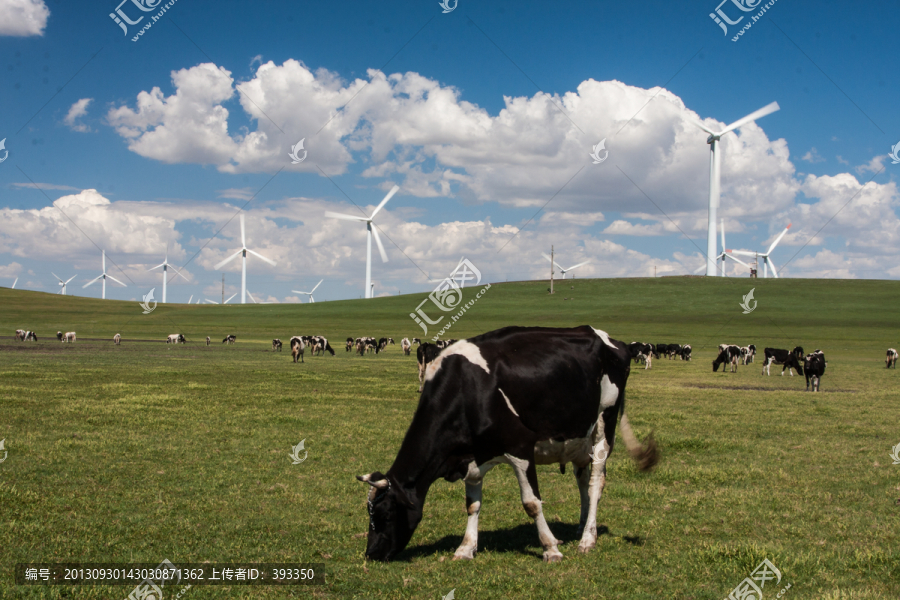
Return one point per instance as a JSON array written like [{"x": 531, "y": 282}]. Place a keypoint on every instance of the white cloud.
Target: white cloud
[
  {"x": 12, "y": 270},
  {"x": 76, "y": 111},
  {"x": 873, "y": 166},
  {"x": 22, "y": 18},
  {"x": 813, "y": 156}
]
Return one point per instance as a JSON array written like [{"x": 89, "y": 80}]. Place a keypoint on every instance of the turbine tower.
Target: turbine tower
[
  {"x": 165, "y": 267},
  {"x": 715, "y": 163},
  {"x": 564, "y": 271},
  {"x": 310, "y": 294},
  {"x": 62, "y": 284},
  {"x": 243, "y": 254},
  {"x": 767, "y": 262},
  {"x": 370, "y": 232},
  {"x": 103, "y": 276}
]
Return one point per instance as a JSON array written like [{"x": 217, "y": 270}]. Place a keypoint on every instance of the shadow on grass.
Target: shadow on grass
[{"x": 521, "y": 539}]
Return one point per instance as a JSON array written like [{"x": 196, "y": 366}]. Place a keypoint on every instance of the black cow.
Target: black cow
[
  {"x": 425, "y": 354},
  {"x": 641, "y": 353},
  {"x": 230, "y": 339},
  {"x": 686, "y": 352},
  {"x": 521, "y": 396},
  {"x": 276, "y": 345},
  {"x": 727, "y": 355},
  {"x": 814, "y": 365},
  {"x": 674, "y": 350},
  {"x": 790, "y": 360},
  {"x": 891, "y": 360}
]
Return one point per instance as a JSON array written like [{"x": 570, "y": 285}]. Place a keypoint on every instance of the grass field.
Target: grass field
[{"x": 146, "y": 451}]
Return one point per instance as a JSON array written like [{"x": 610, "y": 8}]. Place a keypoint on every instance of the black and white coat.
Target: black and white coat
[
  {"x": 555, "y": 399},
  {"x": 814, "y": 366},
  {"x": 790, "y": 360},
  {"x": 727, "y": 355},
  {"x": 405, "y": 346},
  {"x": 891, "y": 359},
  {"x": 297, "y": 348}
]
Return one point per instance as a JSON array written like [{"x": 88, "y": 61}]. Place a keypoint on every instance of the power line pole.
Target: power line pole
[
  {"x": 551, "y": 269},
  {"x": 223, "y": 288}
]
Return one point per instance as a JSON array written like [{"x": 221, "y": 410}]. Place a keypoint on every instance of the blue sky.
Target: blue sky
[{"x": 483, "y": 116}]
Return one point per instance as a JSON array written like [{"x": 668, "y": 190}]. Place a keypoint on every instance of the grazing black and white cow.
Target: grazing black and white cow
[
  {"x": 176, "y": 338},
  {"x": 416, "y": 341},
  {"x": 276, "y": 345},
  {"x": 425, "y": 354},
  {"x": 405, "y": 346},
  {"x": 365, "y": 344},
  {"x": 208, "y": 341},
  {"x": 686, "y": 352},
  {"x": 752, "y": 350},
  {"x": 641, "y": 353},
  {"x": 68, "y": 336},
  {"x": 728, "y": 355},
  {"x": 297, "y": 347},
  {"x": 230, "y": 339},
  {"x": 522, "y": 396},
  {"x": 891, "y": 360},
  {"x": 660, "y": 350},
  {"x": 59, "y": 335},
  {"x": 349, "y": 344},
  {"x": 781, "y": 357},
  {"x": 814, "y": 365},
  {"x": 322, "y": 345},
  {"x": 674, "y": 350},
  {"x": 745, "y": 355},
  {"x": 117, "y": 339},
  {"x": 20, "y": 335},
  {"x": 30, "y": 336}
]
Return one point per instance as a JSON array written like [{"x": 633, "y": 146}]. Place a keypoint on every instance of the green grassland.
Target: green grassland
[{"x": 146, "y": 451}]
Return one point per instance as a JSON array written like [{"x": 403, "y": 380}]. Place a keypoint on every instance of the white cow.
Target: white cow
[
  {"x": 117, "y": 339},
  {"x": 297, "y": 347},
  {"x": 175, "y": 338},
  {"x": 20, "y": 335},
  {"x": 405, "y": 346},
  {"x": 68, "y": 336},
  {"x": 891, "y": 360}
]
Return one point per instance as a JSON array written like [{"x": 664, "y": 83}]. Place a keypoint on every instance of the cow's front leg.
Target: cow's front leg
[
  {"x": 526, "y": 473},
  {"x": 583, "y": 477},
  {"x": 599, "y": 455},
  {"x": 474, "y": 479}
]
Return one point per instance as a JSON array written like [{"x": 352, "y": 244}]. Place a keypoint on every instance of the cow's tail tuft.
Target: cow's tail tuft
[{"x": 645, "y": 455}]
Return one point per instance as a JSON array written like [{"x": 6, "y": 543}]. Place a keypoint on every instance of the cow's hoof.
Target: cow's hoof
[
  {"x": 584, "y": 548},
  {"x": 553, "y": 557},
  {"x": 464, "y": 555}
]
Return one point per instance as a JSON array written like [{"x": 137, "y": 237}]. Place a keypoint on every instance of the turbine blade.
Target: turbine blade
[
  {"x": 390, "y": 195},
  {"x": 736, "y": 259},
  {"x": 258, "y": 255},
  {"x": 116, "y": 280},
  {"x": 298, "y": 292},
  {"x": 317, "y": 285},
  {"x": 243, "y": 237},
  {"x": 778, "y": 239},
  {"x": 335, "y": 215},
  {"x": 701, "y": 269},
  {"x": 227, "y": 260},
  {"x": 772, "y": 266},
  {"x": 578, "y": 265},
  {"x": 384, "y": 256},
  {"x": 546, "y": 256},
  {"x": 743, "y": 253},
  {"x": 91, "y": 281},
  {"x": 177, "y": 272},
  {"x": 156, "y": 267},
  {"x": 230, "y": 297},
  {"x": 757, "y": 114},
  {"x": 70, "y": 279},
  {"x": 15, "y": 282},
  {"x": 57, "y": 276},
  {"x": 723, "y": 236},
  {"x": 251, "y": 297},
  {"x": 191, "y": 298},
  {"x": 704, "y": 128},
  {"x": 211, "y": 301}
]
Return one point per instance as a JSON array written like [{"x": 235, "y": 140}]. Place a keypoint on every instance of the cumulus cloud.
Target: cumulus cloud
[
  {"x": 76, "y": 111},
  {"x": 813, "y": 156},
  {"x": 21, "y": 18}
]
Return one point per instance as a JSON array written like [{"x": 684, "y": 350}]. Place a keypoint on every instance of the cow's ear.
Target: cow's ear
[{"x": 376, "y": 480}]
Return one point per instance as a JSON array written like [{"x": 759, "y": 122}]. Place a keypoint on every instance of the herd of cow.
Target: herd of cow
[{"x": 813, "y": 365}]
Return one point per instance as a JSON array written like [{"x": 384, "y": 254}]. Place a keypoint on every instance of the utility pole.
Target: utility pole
[
  {"x": 551, "y": 269},
  {"x": 223, "y": 288},
  {"x": 654, "y": 271}
]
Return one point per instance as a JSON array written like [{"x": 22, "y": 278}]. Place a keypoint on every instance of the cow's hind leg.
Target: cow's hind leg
[
  {"x": 583, "y": 477},
  {"x": 595, "y": 490},
  {"x": 526, "y": 473},
  {"x": 474, "y": 479}
]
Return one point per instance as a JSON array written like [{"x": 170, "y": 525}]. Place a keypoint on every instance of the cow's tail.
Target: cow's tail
[{"x": 645, "y": 455}]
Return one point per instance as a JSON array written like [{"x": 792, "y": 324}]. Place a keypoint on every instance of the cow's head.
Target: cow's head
[{"x": 393, "y": 517}]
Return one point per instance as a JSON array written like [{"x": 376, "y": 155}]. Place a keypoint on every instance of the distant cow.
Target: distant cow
[
  {"x": 416, "y": 341},
  {"x": 349, "y": 344},
  {"x": 20, "y": 335},
  {"x": 59, "y": 335},
  {"x": 365, "y": 344},
  {"x": 69, "y": 336},
  {"x": 30, "y": 336},
  {"x": 405, "y": 346},
  {"x": 814, "y": 365},
  {"x": 229, "y": 339},
  {"x": 891, "y": 360},
  {"x": 641, "y": 352},
  {"x": 686, "y": 352},
  {"x": 782, "y": 357},
  {"x": 208, "y": 341},
  {"x": 425, "y": 354},
  {"x": 117, "y": 339},
  {"x": 276, "y": 345},
  {"x": 322, "y": 345},
  {"x": 176, "y": 338},
  {"x": 297, "y": 347},
  {"x": 728, "y": 355},
  {"x": 384, "y": 342}
]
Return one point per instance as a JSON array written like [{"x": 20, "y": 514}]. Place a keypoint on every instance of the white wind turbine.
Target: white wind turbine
[
  {"x": 715, "y": 163},
  {"x": 564, "y": 271},
  {"x": 62, "y": 284},
  {"x": 310, "y": 294},
  {"x": 243, "y": 254},
  {"x": 165, "y": 267},
  {"x": 767, "y": 261},
  {"x": 723, "y": 255},
  {"x": 103, "y": 276},
  {"x": 370, "y": 232}
]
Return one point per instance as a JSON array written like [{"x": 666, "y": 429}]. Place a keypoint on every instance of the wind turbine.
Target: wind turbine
[
  {"x": 715, "y": 163},
  {"x": 726, "y": 254},
  {"x": 243, "y": 254},
  {"x": 370, "y": 232},
  {"x": 15, "y": 282},
  {"x": 564, "y": 271},
  {"x": 103, "y": 276},
  {"x": 165, "y": 267},
  {"x": 62, "y": 283},
  {"x": 310, "y": 294},
  {"x": 767, "y": 262}
]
